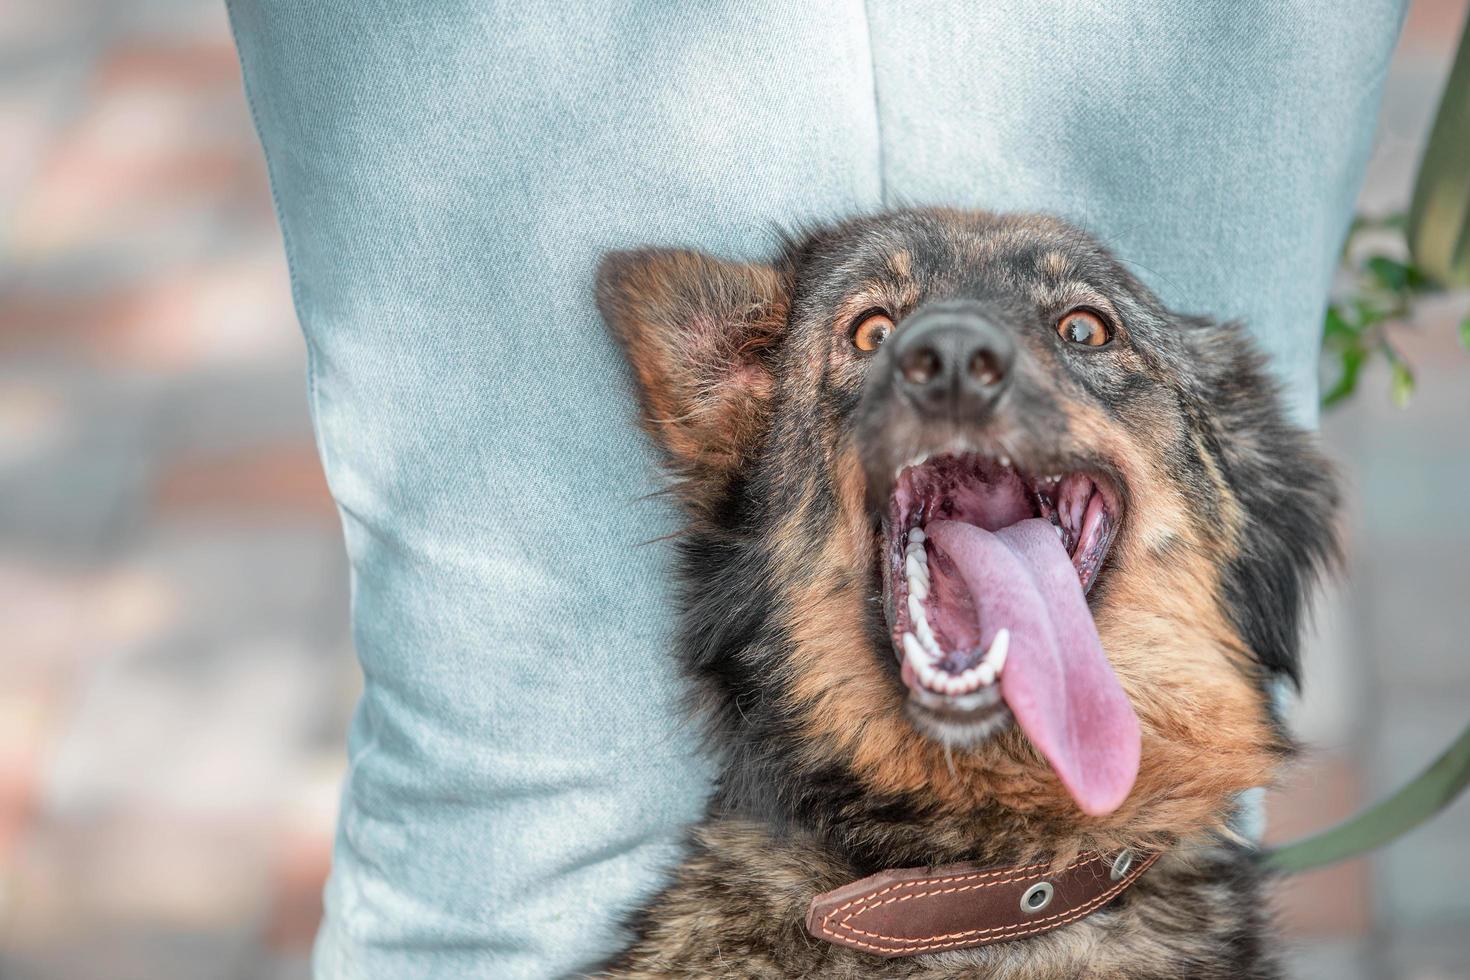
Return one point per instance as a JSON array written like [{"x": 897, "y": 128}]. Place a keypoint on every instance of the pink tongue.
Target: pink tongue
[{"x": 1056, "y": 679}]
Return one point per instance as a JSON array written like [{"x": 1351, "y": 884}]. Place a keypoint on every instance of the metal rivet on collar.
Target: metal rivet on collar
[
  {"x": 1121, "y": 864},
  {"x": 1037, "y": 897}
]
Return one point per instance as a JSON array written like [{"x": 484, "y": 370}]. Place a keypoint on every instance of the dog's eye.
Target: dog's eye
[
  {"x": 1084, "y": 327},
  {"x": 871, "y": 331}
]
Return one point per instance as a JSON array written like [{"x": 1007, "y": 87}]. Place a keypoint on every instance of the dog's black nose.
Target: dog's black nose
[{"x": 952, "y": 361}]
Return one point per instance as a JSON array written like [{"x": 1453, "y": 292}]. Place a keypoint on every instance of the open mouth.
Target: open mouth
[{"x": 986, "y": 574}]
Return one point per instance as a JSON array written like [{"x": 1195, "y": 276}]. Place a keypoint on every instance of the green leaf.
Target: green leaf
[
  {"x": 1403, "y": 375},
  {"x": 1465, "y": 332},
  {"x": 1388, "y": 273},
  {"x": 1403, "y": 384},
  {"x": 1336, "y": 328},
  {"x": 1347, "y": 381},
  {"x": 1369, "y": 314}
]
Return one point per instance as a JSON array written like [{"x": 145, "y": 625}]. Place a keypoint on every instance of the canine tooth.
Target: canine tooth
[
  {"x": 986, "y": 673},
  {"x": 999, "y": 646},
  {"x": 916, "y": 536}
]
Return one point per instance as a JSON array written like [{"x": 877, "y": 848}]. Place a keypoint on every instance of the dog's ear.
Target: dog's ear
[
  {"x": 700, "y": 334},
  {"x": 1286, "y": 489}
]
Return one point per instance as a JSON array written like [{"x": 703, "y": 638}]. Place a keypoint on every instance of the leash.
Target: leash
[{"x": 1424, "y": 796}]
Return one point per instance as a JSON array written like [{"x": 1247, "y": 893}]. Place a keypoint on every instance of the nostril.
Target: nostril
[
  {"x": 985, "y": 368},
  {"x": 920, "y": 365}
]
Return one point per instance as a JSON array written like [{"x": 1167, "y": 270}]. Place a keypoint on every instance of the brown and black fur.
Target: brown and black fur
[{"x": 751, "y": 387}]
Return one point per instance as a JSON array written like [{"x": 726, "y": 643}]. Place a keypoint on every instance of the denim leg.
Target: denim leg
[{"x": 447, "y": 175}]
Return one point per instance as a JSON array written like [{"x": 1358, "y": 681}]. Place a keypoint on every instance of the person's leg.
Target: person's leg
[
  {"x": 1218, "y": 147},
  {"x": 447, "y": 176}
]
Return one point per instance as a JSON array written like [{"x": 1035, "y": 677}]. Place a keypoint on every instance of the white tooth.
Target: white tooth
[
  {"x": 999, "y": 647},
  {"x": 916, "y": 613},
  {"x": 916, "y": 550},
  {"x": 986, "y": 673},
  {"x": 1005, "y": 461},
  {"x": 916, "y": 536},
  {"x": 918, "y": 587},
  {"x": 926, "y": 637},
  {"x": 913, "y": 650},
  {"x": 927, "y": 673},
  {"x": 1060, "y": 533}
]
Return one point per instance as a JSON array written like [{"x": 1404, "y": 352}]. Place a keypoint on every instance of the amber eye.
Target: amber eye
[
  {"x": 1084, "y": 327},
  {"x": 871, "y": 331}
]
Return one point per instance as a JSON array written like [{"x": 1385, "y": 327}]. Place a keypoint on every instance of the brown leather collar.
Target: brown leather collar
[{"x": 906, "y": 911}]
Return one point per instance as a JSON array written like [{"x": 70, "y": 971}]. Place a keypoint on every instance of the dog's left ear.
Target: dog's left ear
[
  {"x": 1287, "y": 493},
  {"x": 699, "y": 334}
]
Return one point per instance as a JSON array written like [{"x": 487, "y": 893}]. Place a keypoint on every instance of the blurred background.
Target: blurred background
[{"x": 175, "y": 667}]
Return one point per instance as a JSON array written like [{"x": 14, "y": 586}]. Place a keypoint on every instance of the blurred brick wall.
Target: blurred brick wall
[{"x": 176, "y": 671}]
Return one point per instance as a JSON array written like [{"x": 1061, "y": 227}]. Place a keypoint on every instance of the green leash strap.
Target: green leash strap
[{"x": 1433, "y": 790}]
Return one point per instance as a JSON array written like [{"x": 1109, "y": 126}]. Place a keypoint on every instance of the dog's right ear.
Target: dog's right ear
[{"x": 699, "y": 334}]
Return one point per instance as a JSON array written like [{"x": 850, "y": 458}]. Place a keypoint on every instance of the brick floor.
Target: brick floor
[{"x": 173, "y": 590}]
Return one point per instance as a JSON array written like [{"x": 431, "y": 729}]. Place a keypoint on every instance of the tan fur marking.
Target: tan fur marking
[
  {"x": 1069, "y": 294},
  {"x": 1053, "y": 264}
]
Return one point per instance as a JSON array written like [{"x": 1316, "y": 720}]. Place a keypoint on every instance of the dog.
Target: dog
[{"x": 991, "y": 562}]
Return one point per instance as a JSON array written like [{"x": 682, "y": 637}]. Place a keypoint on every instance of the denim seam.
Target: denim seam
[{"x": 877, "y": 112}]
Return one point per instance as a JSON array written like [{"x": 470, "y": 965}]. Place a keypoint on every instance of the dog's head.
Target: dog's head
[{"x": 977, "y": 528}]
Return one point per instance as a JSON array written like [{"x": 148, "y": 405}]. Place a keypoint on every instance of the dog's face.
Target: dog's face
[{"x": 977, "y": 526}]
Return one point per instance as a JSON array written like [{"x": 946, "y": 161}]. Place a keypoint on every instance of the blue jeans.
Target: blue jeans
[{"x": 447, "y": 174}]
